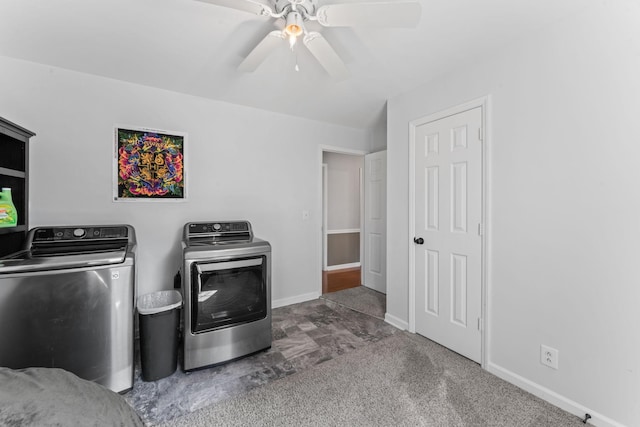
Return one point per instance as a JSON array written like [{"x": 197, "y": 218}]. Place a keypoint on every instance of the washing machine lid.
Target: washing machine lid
[
  {"x": 27, "y": 261},
  {"x": 61, "y": 247}
]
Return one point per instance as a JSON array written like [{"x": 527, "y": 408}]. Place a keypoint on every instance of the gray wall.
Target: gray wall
[
  {"x": 344, "y": 190},
  {"x": 343, "y": 248},
  {"x": 238, "y": 166},
  {"x": 564, "y": 207}
]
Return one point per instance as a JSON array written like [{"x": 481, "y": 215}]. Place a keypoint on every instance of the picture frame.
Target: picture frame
[{"x": 149, "y": 164}]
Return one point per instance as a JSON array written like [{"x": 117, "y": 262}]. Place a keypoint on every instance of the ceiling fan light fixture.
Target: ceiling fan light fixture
[{"x": 294, "y": 24}]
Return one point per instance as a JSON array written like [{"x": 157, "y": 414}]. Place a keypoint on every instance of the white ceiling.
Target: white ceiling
[{"x": 193, "y": 47}]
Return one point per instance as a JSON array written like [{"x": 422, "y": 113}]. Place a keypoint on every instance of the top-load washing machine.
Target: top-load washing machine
[
  {"x": 67, "y": 301},
  {"x": 226, "y": 286}
]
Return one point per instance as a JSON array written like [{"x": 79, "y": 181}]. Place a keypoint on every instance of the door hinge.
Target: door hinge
[
  {"x": 480, "y": 134},
  {"x": 480, "y": 229},
  {"x": 479, "y": 324}
]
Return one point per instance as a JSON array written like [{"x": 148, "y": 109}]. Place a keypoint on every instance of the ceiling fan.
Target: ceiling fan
[{"x": 295, "y": 13}]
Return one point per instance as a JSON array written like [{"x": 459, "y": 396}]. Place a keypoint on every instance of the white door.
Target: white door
[
  {"x": 448, "y": 242},
  {"x": 375, "y": 222}
]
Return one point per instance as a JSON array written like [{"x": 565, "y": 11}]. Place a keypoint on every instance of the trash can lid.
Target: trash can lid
[{"x": 159, "y": 301}]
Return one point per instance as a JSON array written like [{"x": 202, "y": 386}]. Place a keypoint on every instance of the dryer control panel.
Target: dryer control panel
[
  {"x": 218, "y": 227},
  {"x": 218, "y": 231}
]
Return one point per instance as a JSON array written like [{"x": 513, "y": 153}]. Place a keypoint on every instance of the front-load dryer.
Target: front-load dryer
[{"x": 226, "y": 285}]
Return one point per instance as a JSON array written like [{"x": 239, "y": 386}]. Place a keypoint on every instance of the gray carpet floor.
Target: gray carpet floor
[
  {"x": 304, "y": 335},
  {"x": 401, "y": 380},
  {"x": 361, "y": 299}
]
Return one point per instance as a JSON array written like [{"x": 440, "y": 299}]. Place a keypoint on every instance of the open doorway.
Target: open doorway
[{"x": 342, "y": 224}]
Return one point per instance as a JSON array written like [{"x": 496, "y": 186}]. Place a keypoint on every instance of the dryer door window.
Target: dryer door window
[{"x": 228, "y": 292}]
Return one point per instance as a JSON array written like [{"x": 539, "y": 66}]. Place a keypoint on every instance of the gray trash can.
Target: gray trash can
[{"x": 159, "y": 320}]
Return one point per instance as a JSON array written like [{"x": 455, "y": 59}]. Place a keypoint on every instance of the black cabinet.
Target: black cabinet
[{"x": 14, "y": 174}]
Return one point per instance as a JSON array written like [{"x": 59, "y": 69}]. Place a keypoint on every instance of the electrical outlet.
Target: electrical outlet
[{"x": 549, "y": 356}]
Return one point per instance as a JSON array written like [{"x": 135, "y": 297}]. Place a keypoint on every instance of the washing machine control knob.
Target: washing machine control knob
[
  {"x": 217, "y": 227},
  {"x": 79, "y": 232}
]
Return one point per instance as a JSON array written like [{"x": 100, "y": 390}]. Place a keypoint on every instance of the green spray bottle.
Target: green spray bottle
[{"x": 8, "y": 213}]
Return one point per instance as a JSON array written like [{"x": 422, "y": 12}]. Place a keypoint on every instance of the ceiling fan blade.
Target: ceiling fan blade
[
  {"x": 261, "y": 51},
  {"x": 250, "y": 6},
  {"x": 379, "y": 14},
  {"x": 326, "y": 56}
]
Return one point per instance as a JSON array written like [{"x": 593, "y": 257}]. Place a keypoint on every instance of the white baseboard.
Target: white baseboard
[
  {"x": 342, "y": 266},
  {"x": 295, "y": 300},
  {"x": 552, "y": 397},
  {"x": 396, "y": 321}
]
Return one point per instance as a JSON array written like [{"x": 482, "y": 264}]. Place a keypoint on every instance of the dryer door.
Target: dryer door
[{"x": 228, "y": 292}]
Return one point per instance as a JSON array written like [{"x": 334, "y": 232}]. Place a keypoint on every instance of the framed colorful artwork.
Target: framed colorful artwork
[{"x": 149, "y": 164}]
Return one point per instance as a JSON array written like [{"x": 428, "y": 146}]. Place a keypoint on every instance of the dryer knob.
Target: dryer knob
[
  {"x": 217, "y": 227},
  {"x": 79, "y": 232}
]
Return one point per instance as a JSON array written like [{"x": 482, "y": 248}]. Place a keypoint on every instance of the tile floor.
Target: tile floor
[{"x": 304, "y": 335}]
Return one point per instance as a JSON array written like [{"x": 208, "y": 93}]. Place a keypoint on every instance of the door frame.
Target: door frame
[
  {"x": 338, "y": 150},
  {"x": 325, "y": 213},
  {"x": 484, "y": 104}
]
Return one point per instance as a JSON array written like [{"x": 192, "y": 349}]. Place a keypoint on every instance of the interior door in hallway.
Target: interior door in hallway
[
  {"x": 448, "y": 242},
  {"x": 375, "y": 221}
]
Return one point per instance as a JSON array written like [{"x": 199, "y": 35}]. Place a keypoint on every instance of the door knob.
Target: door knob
[{"x": 418, "y": 240}]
